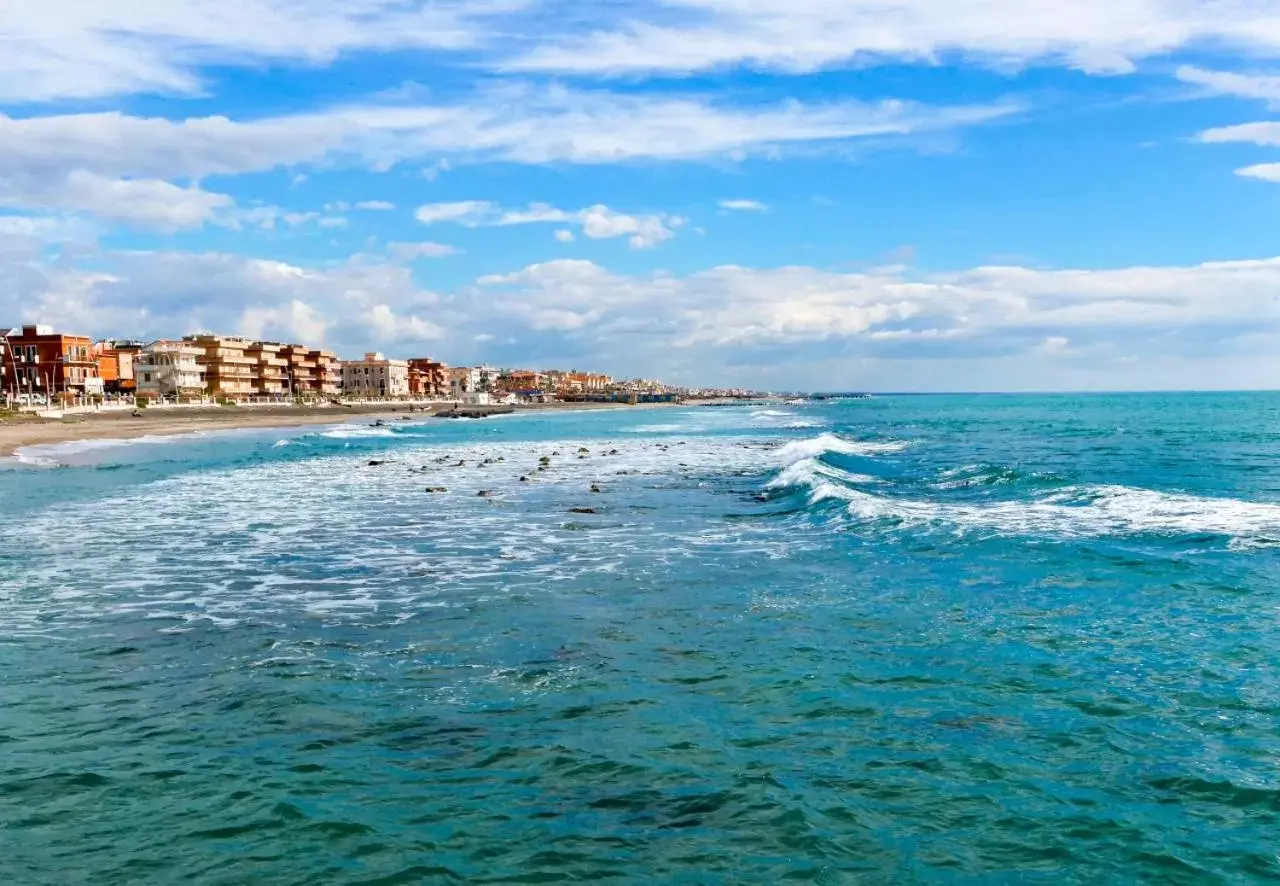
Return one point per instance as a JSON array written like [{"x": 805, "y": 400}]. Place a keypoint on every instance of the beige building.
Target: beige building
[
  {"x": 170, "y": 370},
  {"x": 229, "y": 371},
  {"x": 270, "y": 375},
  {"x": 327, "y": 378},
  {"x": 375, "y": 376}
]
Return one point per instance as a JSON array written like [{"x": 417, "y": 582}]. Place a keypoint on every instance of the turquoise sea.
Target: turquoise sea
[{"x": 944, "y": 639}]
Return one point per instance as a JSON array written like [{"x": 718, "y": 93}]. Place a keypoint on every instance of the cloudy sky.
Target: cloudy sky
[{"x": 820, "y": 194}]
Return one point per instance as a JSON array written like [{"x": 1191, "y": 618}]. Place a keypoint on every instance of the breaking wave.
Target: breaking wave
[
  {"x": 816, "y": 447},
  {"x": 1078, "y": 511}
]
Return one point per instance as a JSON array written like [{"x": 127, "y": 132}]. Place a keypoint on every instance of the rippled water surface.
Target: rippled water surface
[{"x": 910, "y": 639}]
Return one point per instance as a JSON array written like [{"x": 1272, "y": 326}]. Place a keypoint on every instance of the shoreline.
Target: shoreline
[{"x": 16, "y": 435}]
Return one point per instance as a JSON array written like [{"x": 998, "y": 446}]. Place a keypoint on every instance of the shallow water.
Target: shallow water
[{"x": 934, "y": 639}]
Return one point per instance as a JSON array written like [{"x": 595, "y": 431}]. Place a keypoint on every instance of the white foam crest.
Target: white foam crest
[
  {"x": 356, "y": 432},
  {"x": 813, "y": 472},
  {"x": 799, "y": 450},
  {"x": 1077, "y": 512},
  {"x": 53, "y": 454}
]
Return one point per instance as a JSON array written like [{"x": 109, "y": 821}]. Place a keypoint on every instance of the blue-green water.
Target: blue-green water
[{"x": 911, "y": 639}]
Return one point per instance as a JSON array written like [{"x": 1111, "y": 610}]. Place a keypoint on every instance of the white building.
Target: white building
[
  {"x": 375, "y": 376},
  {"x": 168, "y": 370},
  {"x": 465, "y": 380}
]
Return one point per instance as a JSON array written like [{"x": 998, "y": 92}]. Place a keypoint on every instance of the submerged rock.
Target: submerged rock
[
  {"x": 524, "y": 479},
  {"x": 582, "y": 510},
  {"x": 485, "y": 493},
  {"x": 437, "y": 489},
  {"x": 596, "y": 488},
  {"x": 374, "y": 464}
]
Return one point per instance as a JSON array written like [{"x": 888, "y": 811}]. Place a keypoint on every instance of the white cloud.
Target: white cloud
[
  {"x": 463, "y": 212},
  {"x": 516, "y": 124},
  {"x": 792, "y": 36},
  {"x": 1014, "y": 316},
  {"x": 743, "y": 206},
  {"x": 598, "y": 222},
  {"x": 375, "y": 205},
  {"x": 565, "y": 236},
  {"x": 157, "y": 294},
  {"x": 432, "y": 172},
  {"x": 333, "y": 221},
  {"x": 1215, "y": 324},
  {"x": 1269, "y": 172},
  {"x": 77, "y": 49},
  {"x": 1266, "y": 134},
  {"x": 142, "y": 203},
  {"x": 1263, "y": 87},
  {"x": 296, "y": 321},
  {"x": 412, "y": 251}
]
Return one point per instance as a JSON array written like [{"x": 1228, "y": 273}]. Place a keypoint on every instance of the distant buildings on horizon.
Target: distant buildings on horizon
[{"x": 38, "y": 364}]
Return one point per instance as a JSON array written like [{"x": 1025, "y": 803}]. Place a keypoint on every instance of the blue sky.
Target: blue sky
[{"x": 906, "y": 194}]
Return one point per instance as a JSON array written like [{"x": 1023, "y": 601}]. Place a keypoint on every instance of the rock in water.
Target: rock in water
[{"x": 582, "y": 510}]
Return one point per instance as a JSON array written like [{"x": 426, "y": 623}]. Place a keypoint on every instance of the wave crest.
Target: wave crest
[{"x": 823, "y": 444}]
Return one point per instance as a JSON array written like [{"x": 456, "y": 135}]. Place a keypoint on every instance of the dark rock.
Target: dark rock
[
  {"x": 596, "y": 488},
  {"x": 484, "y": 493},
  {"x": 437, "y": 489},
  {"x": 374, "y": 464},
  {"x": 544, "y": 460},
  {"x": 524, "y": 479},
  {"x": 584, "y": 449},
  {"x": 582, "y": 510}
]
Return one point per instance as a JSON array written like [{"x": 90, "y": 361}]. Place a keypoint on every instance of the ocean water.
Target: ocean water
[{"x": 997, "y": 639}]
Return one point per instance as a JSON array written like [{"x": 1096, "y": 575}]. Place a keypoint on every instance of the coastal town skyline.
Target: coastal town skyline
[{"x": 41, "y": 364}]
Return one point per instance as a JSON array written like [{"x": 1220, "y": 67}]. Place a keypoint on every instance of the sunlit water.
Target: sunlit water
[{"x": 944, "y": 639}]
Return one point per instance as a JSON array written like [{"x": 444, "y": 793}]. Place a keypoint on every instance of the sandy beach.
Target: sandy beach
[{"x": 17, "y": 433}]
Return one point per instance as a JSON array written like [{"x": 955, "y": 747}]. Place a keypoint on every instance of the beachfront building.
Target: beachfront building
[
  {"x": 326, "y": 380},
  {"x": 428, "y": 378},
  {"x": 42, "y": 365},
  {"x": 375, "y": 376},
  {"x": 229, "y": 370},
  {"x": 270, "y": 376},
  {"x": 300, "y": 368},
  {"x": 116, "y": 361},
  {"x": 170, "y": 370},
  {"x": 311, "y": 373},
  {"x": 514, "y": 381},
  {"x": 463, "y": 380}
]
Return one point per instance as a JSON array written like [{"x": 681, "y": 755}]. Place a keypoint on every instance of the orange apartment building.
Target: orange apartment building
[
  {"x": 428, "y": 378},
  {"x": 41, "y": 362},
  {"x": 116, "y": 365},
  {"x": 311, "y": 372},
  {"x": 229, "y": 370}
]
